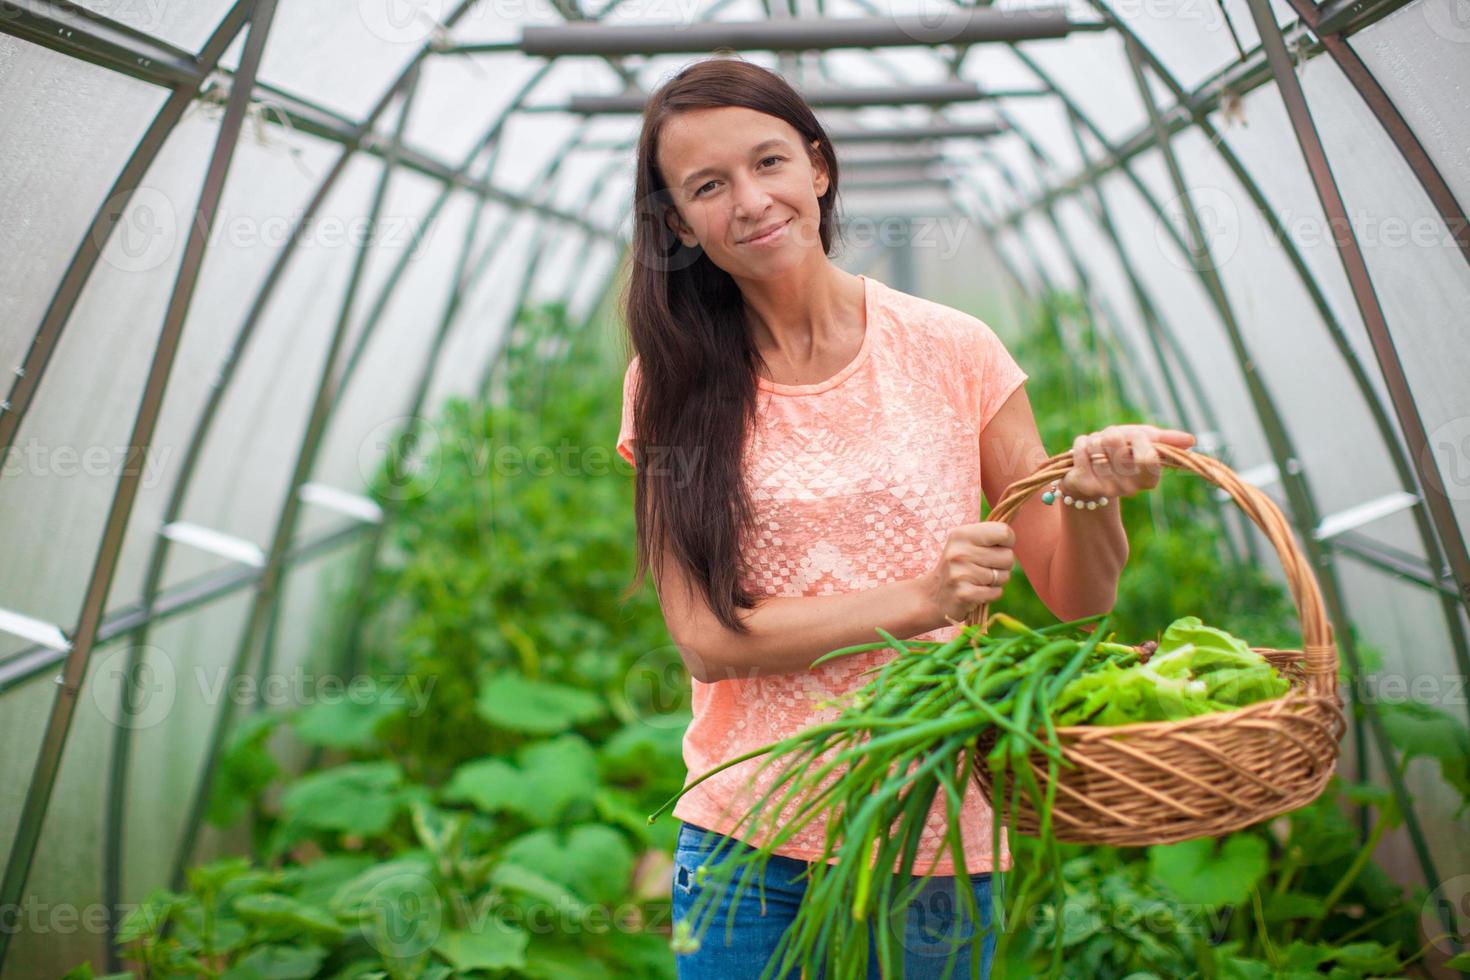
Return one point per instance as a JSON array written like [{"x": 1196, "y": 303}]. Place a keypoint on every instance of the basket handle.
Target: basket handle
[{"x": 1319, "y": 648}]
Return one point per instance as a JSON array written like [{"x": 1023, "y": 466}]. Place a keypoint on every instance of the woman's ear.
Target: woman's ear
[
  {"x": 819, "y": 164},
  {"x": 678, "y": 227}
]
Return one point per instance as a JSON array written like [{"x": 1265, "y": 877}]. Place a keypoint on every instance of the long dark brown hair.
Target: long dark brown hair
[{"x": 697, "y": 362}]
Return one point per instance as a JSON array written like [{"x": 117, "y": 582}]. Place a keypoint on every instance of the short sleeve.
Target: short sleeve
[
  {"x": 625, "y": 431},
  {"x": 994, "y": 374}
]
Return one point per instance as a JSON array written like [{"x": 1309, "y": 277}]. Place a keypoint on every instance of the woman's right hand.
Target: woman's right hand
[{"x": 973, "y": 569}]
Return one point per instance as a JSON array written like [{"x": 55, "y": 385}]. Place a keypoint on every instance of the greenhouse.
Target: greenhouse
[{"x": 329, "y": 643}]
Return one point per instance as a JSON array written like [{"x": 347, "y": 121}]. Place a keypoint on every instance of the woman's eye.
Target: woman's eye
[
  {"x": 700, "y": 190},
  {"x": 770, "y": 158}
]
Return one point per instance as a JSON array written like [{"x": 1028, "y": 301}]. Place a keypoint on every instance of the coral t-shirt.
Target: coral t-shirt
[{"x": 856, "y": 482}]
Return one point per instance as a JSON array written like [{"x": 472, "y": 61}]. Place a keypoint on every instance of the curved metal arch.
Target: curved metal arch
[
  {"x": 264, "y": 609},
  {"x": 58, "y": 725},
  {"x": 1331, "y": 323},
  {"x": 89, "y": 251}
]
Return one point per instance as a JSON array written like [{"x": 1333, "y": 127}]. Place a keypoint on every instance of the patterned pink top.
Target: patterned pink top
[{"x": 857, "y": 482}]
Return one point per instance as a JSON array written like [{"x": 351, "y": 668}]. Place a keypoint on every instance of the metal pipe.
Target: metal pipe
[
  {"x": 937, "y": 93},
  {"x": 84, "y": 639},
  {"x": 970, "y": 26}
]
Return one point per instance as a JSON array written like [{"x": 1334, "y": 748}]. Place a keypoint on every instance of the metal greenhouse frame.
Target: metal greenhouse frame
[{"x": 984, "y": 149}]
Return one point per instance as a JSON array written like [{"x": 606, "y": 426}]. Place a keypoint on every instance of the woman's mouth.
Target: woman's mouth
[{"x": 769, "y": 236}]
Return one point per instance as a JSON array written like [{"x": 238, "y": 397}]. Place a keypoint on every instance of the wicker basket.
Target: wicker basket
[{"x": 1160, "y": 782}]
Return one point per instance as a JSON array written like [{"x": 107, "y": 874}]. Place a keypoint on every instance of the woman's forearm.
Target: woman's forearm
[
  {"x": 787, "y": 634},
  {"x": 1091, "y": 552}
]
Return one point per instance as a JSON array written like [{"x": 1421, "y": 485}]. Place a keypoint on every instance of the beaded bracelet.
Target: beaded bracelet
[{"x": 1050, "y": 494}]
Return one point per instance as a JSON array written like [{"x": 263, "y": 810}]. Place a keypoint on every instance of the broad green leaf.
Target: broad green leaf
[
  {"x": 548, "y": 960},
  {"x": 495, "y": 946},
  {"x": 593, "y": 860},
  {"x": 535, "y": 707},
  {"x": 1196, "y": 872},
  {"x": 278, "y": 963},
  {"x": 286, "y": 912},
  {"x": 356, "y": 798},
  {"x": 317, "y": 882},
  {"x": 1419, "y": 730},
  {"x": 245, "y": 770},
  {"x": 342, "y": 723},
  {"x": 557, "y": 774},
  {"x": 492, "y": 785},
  {"x": 357, "y": 897}
]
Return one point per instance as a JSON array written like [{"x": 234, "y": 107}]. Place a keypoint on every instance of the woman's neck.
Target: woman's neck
[{"x": 806, "y": 327}]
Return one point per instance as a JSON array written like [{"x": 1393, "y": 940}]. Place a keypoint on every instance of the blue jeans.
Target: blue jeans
[{"x": 934, "y": 921}]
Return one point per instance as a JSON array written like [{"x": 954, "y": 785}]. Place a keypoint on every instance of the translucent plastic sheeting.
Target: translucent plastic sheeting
[
  {"x": 1044, "y": 122},
  {"x": 1092, "y": 69},
  {"x": 1406, "y": 626},
  {"x": 1109, "y": 283},
  {"x": 500, "y": 21},
  {"x": 1420, "y": 276},
  {"x": 486, "y": 316},
  {"x": 342, "y": 56},
  {"x": 187, "y": 659},
  {"x": 244, "y": 471},
  {"x": 22, "y": 724},
  {"x": 72, "y": 443},
  {"x": 1181, "y": 301},
  {"x": 460, "y": 98},
  {"x": 593, "y": 281},
  {"x": 1046, "y": 248},
  {"x": 268, "y": 188},
  {"x": 372, "y": 402},
  {"x": 1418, "y": 54},
  {"x": 1329, "y": 423},
  {"x": 1009, "y": 247},
  {"x": 185, "y": 25},
  {"x": 60, "y": 151},
  {"x": 65, "y": 885}
]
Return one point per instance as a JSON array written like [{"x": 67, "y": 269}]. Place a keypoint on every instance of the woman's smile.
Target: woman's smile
[{"x": 774, "y": 235}]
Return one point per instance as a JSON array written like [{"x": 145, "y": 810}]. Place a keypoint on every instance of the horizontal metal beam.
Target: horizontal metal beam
[
  {"x": 1235, "y": 81},
  {"x": 89, "y": 37},
  {"x": 938, "y": 93},
  {"x": 968, "y": 26},
  {"x": 72, "y": 30},
  {"x": 26, "y": 664},
  {"x": 910, "y": 134}
]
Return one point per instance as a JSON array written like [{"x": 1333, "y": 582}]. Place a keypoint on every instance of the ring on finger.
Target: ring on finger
[
  {"x": 994, "y": 577},
  {"x": 1099, "y": 457}
]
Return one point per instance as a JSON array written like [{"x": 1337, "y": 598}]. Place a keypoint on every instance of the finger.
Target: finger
[
  {"x": 1173, "y": 437},
  {"x": 1120, "y": 456},
  {"x": 1106, "y": 451},
  {"x": 1084, "y": 476},
  {"x": 1149, "y": 464}
]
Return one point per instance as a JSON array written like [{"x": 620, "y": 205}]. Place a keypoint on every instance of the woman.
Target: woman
[{"x": 808, "y": 445}]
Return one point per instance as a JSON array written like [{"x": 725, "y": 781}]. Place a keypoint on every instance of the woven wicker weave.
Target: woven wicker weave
[{"x": 1159, "y": 782}]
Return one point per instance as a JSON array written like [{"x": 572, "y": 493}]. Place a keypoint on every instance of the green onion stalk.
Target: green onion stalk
[{"x": 912, "y": 731}]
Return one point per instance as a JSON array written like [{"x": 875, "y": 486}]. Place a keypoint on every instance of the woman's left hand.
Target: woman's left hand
[{"x": 1119, "y": 461}]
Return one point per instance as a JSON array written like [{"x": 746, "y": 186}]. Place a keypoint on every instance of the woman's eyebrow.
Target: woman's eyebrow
[{"x": 760, "y": 147}]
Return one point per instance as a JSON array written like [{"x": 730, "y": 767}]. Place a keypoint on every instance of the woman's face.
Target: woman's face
[{"x": 734, "y": 173}]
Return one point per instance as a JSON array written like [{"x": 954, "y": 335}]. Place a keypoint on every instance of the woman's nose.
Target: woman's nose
[{"x": 751, "y": 197}]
